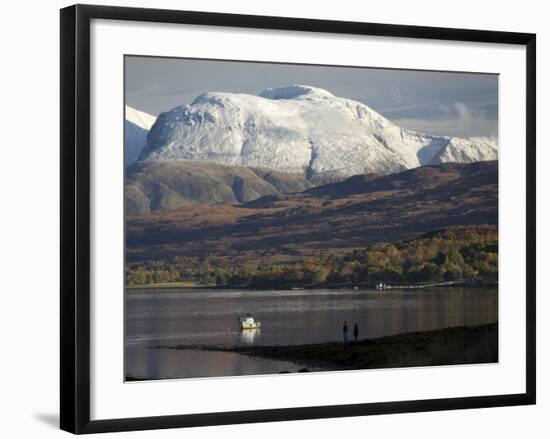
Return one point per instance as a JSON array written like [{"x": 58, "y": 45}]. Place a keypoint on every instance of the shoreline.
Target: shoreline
[
  {"x": 344, "y": 287},
  {"x": 448, "y": 346}
]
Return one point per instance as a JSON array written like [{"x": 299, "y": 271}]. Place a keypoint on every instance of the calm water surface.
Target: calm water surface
[{"x": 210, "y": 317}]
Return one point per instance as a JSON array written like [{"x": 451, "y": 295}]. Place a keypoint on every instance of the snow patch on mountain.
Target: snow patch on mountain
[
  {"x": 139, "y": 118},
  {"x": 473, "y": 149},
  {"x": 136, "y": 125},
  {"x": 299, "y": 128}
]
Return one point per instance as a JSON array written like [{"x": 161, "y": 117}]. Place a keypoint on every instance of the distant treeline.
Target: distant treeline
[{"x": 466, "y": 253}]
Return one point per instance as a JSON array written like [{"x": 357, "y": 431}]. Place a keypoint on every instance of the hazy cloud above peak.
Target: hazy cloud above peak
[
  {"x": 457, "y": 119},
  {"x": 454, "y": 104}
]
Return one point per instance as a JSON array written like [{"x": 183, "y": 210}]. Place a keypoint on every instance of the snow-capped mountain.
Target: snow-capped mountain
[
  {"x": 299, "y": 128},
  {"x": 137, "y": 126}
]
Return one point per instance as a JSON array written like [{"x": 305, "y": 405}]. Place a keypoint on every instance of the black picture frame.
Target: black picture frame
[{"x": 75, "y": 217}]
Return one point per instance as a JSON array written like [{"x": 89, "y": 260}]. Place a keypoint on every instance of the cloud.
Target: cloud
[
  {"x": 434, "y": 102},
  {"x": 407, "y": 107},
  {"x": 456, "y": 119}
]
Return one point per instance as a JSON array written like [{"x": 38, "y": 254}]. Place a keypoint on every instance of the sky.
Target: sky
[{"x": 441, "y": 103}]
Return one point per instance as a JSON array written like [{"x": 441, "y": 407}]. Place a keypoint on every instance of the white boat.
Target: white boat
[{"x": 249, "y": 322}]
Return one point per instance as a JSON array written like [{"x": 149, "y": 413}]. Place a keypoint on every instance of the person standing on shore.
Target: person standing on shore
[
  {"x": 345, "y": 331},
  {"x": 355, "y": 332}
]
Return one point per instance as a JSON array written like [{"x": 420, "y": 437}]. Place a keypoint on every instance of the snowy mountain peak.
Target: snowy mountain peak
[
  {"x": 299, "y": 128},
  {"x": 136, "y": 127},
  {"x": 295, "y": 91},
  {"x": 139, "y": 118}
]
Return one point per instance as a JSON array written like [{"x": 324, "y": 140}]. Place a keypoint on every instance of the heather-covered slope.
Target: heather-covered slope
[{"x": 336, "y": 217}]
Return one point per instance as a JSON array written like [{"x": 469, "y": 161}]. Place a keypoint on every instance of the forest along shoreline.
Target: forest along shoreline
[
  {"x": 459, "y": 255},
  {"x": 448, "y": 346}
]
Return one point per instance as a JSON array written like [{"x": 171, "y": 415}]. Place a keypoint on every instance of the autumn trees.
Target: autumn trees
[{"x": 467, "y": 253}]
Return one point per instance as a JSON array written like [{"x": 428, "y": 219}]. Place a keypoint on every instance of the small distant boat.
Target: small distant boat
[
  {"x": 249, "y": 322},
  {"x": 381, "y": 286}
]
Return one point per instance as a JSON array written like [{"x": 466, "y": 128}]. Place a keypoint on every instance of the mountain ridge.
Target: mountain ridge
[
  {"x": 336, "y": 218},
  {"x": 301, "y": 129},
  {"x": 136, "y": 128},
  {"x": 165, "y": 185}
]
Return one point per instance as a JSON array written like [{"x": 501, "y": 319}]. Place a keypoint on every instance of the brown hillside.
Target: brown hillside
[{"x": 335, "y": 217}]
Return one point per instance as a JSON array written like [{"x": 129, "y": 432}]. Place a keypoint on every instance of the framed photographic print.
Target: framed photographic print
[{"x": 269, "y": 218}]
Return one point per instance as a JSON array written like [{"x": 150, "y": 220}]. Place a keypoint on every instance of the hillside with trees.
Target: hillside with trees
[
  {"x": 467, "y": 254},
  {"x": 434, "y": 223}
]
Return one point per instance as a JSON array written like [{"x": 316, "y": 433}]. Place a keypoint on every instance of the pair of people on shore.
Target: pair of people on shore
[{"x": 345, "y": 331}]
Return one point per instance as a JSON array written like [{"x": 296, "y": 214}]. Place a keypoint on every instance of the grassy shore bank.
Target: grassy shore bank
[{"x": 458, "y": 345}]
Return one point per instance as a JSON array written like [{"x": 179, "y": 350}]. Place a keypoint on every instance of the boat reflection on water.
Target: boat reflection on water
[{"x": 250, "y": 336}]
